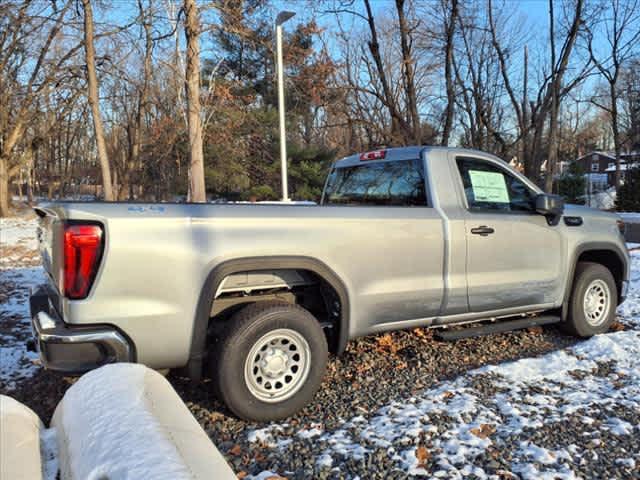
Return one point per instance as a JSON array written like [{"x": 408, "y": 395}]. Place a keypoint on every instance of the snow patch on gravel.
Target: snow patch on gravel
[
  {"x": 460, "y": 421},
  {"x": 18, "y": 231},
  {"x": 16, "y": 363}
]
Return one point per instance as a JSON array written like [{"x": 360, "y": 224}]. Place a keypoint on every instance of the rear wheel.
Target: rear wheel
[
  {"x": 592, "y": 307},
  {"x": 270, "y": 360}
]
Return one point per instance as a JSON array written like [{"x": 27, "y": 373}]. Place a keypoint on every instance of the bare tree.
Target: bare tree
[
  {"x": 622, "y": 26},
  {"x": 552, "y": 88},
  {"x": 94, "y": 100},
  {"x": 398, "y": 121},
  {"x": 408, "y": 66},
  {"x": 450, "y": 24},
  {"x": 196, "y": 171},
  {"x": 25, "y": 43},
  {"x": 552, "y": 156},
  {"x": 478, "y": 90}
]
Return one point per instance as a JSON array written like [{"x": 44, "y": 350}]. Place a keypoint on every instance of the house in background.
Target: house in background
[{"x": 603, "y": 163}]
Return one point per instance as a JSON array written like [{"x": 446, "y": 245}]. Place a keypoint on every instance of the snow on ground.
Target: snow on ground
[
  {"x": 18, "y": 232},
  {"x": 448, "y": 431},
  {"x": 19, "y": 271}
]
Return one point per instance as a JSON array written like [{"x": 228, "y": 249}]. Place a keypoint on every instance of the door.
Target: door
[{"x": 513, "y": 254}]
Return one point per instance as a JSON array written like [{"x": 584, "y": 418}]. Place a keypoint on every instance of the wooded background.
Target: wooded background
[{"x": 166, "y": 99}]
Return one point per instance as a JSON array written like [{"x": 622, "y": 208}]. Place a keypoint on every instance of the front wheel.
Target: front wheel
[
  {"x": 592, "y": 308},
  {"x": 270, "y": 360}
]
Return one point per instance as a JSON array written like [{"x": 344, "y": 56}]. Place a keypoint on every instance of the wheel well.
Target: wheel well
[
  {"x": 610, "y": 260},
  {"x": 302, "y": 287}
]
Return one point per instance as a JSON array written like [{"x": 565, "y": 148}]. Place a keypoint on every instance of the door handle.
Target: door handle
[{"x": 482, "y": 230}]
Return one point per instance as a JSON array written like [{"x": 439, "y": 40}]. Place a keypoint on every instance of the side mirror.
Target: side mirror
[{"x": 549, "y": 205}]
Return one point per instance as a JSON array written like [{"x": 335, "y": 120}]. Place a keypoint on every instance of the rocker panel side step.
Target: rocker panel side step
[{"x": 498, "y": 327}]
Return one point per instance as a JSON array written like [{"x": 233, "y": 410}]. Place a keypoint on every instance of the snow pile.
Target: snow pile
[
  {"x": 19, "y": 441},
  {"x": 604, "y": 200},
  {"x": 108, "y": 428},
  {"x": 125, "y": 421}
]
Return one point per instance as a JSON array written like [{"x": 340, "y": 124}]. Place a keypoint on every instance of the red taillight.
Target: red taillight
[
  {"x": 82, "y": 251},
  {"x": 375, "y": 155}
]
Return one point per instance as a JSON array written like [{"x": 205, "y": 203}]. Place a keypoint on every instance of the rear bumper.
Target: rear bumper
[{"x": 74, "y": 349}]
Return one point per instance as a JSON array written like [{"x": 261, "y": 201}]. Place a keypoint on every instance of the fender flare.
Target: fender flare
[
  {"x": 579, "y": 250},
  {"x": 226, "y": 268}
]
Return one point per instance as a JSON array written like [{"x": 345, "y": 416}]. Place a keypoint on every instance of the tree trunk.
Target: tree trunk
[
  {"x": 409, "y": 74},
  {"x": 553, "y": 121},
  {"x": 524, "y": 120},
  {"x": 615, "y": 127},
  {"x": 448, "y": 73},
  {"x": 92, "y": 83},
  {"x": 196, "y": 156},
  {"x": 4, "y": 187},
  {"x": 552, "y": 156},
  {"x": 399, "y": 125}
]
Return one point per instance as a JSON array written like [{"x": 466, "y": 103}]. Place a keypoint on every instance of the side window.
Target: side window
[
  {"x": 488, "y": 187},
  {"x": 395, "y": 183}
]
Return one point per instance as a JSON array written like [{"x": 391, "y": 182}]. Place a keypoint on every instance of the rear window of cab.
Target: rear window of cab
[{"x": 397, "y": 183}]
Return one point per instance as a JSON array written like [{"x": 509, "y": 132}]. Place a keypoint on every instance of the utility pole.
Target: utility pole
[{"x": 280, "y": 19}]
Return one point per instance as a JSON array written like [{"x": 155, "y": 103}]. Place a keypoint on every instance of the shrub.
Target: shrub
[
  {"x": 628, "y": 197},
  {"x": 571, "y": 185}
]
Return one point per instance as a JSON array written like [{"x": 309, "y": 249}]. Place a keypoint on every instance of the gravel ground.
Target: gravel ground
[{"x": 403, "y": 404}]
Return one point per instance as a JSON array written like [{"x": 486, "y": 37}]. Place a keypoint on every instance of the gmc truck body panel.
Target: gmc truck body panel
[{"x": 400, "y": 266}]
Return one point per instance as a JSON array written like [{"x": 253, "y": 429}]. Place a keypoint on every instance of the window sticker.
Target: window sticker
[{"x": 489, "y": 186}]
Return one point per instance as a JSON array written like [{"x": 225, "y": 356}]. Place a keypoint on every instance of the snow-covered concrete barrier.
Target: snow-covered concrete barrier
[
  {"x": 125, "y": 421},
  {"x": 19, "y": 441}
]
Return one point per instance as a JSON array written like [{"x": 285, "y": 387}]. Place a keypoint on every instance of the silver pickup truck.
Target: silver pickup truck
[{"x": 255, "y": 296}]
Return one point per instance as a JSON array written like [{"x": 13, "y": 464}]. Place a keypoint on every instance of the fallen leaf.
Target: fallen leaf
[
  {"x": 423, "y": 332},
  {"x": 216, "y": 416},
  {"x": 535, "y": 330},
  {"x": 235, "y": 450},
  {"x": 423, "y": 456},
  {"x": 484, "y": 430},
  {"x": 386, "y": 343},
  {"x": 447, "y": 395},
  {"x": 617, "y": 327}
]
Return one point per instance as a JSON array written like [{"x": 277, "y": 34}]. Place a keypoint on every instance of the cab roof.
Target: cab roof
[{"x": 403, "y": 153}]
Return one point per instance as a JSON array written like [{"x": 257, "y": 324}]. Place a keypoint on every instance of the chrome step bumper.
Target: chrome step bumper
[{"x": 71, "y": 348}]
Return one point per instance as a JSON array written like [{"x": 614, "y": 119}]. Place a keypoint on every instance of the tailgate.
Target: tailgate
[{"x": 50, "y": 231}]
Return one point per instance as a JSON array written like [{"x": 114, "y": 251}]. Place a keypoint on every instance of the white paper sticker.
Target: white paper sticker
[{"x": 489, "y": 186}]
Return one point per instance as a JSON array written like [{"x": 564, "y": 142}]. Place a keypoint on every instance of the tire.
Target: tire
[
  {"x": 269, "y": 361},
  {"x": 594, "y": 297}
]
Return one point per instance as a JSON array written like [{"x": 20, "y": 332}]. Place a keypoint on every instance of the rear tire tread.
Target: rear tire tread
[{"x": 239, "y": 334}]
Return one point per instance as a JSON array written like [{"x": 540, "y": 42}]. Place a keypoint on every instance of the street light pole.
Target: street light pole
[{"x": 280, "y": 19}]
